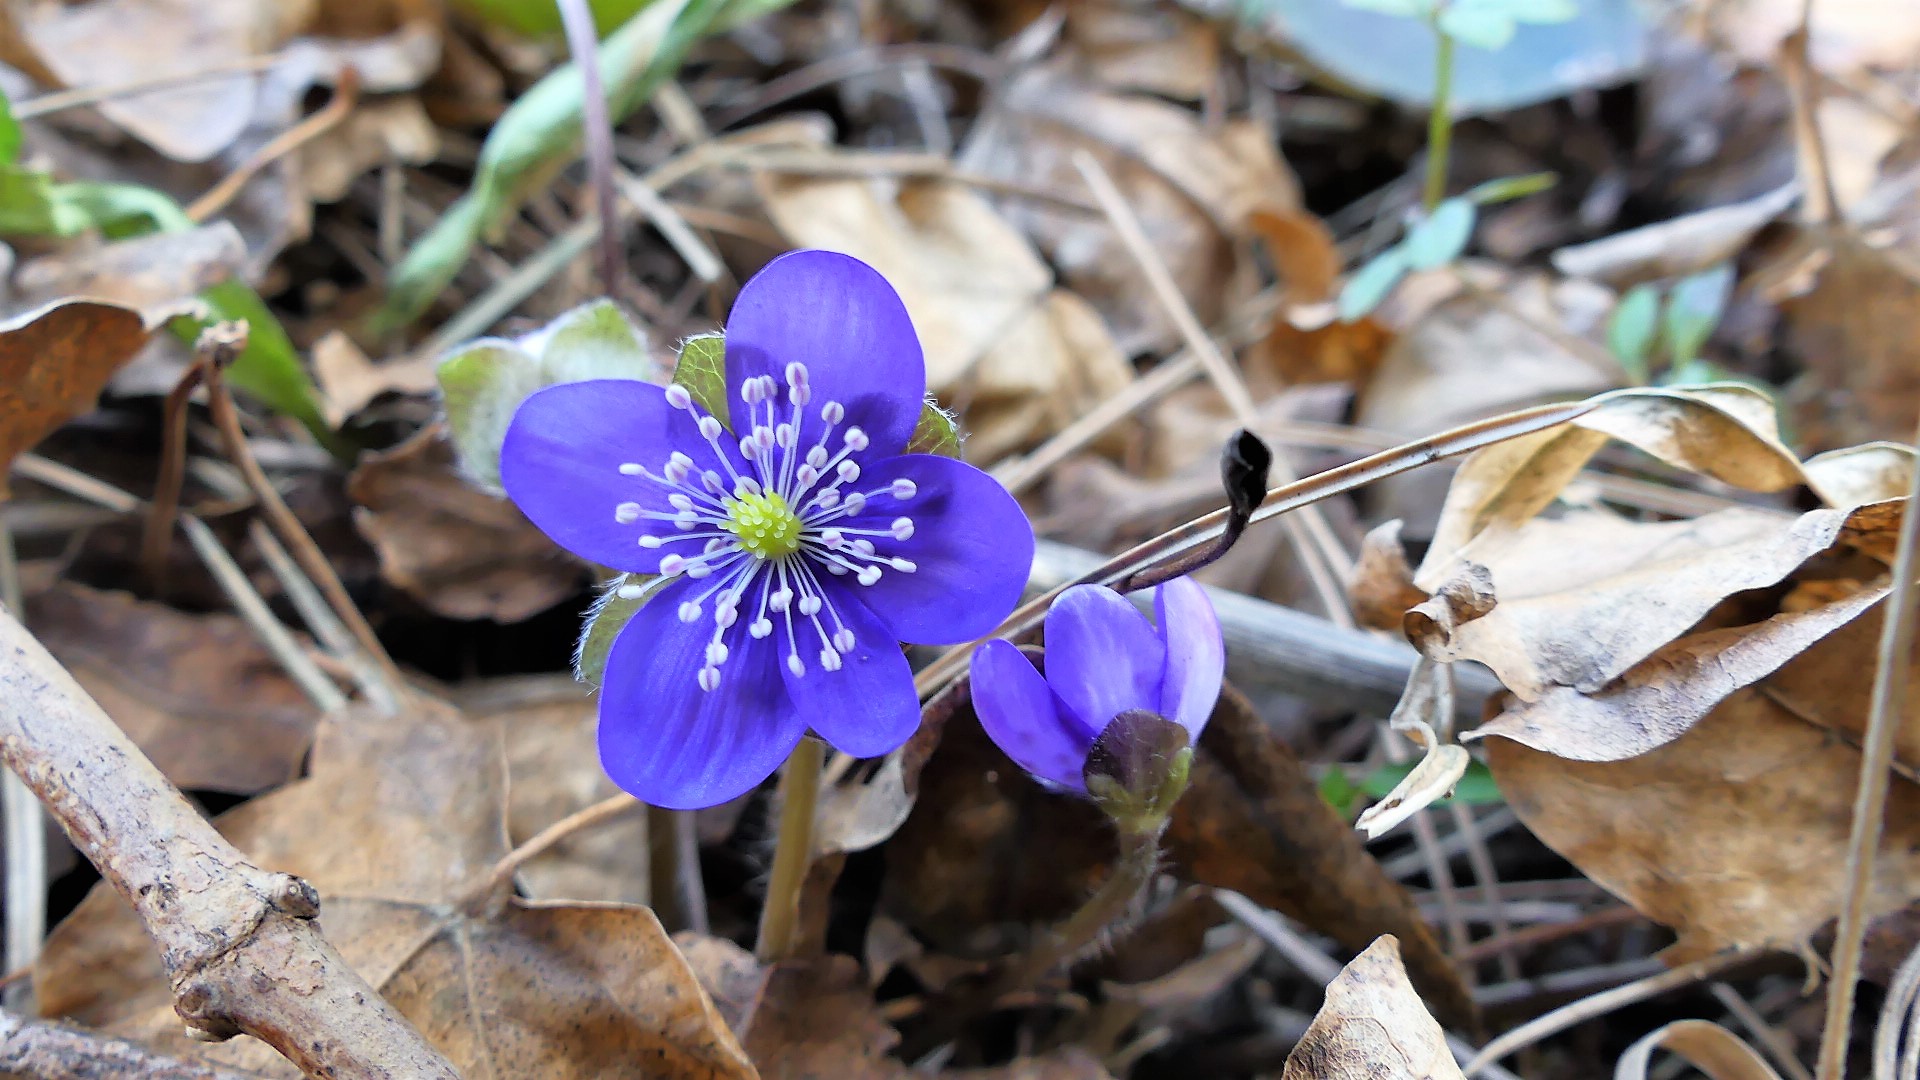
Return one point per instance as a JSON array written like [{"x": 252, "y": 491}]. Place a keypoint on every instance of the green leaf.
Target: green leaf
[
  {"x": 1476, "y": 787},
  {"x": 1476, "y": 26},
  {"x": 1439, "y": 239},
  {"x": 609, "y": 615},
  {"x": 1369, "y": 285},
  {"x": 10, "y": 135},
  {"x": 30, "y": 205},
  {"x": 935, "y": 433},
  {"x": 1508, "y": 188},
  {"x": 1337, "y": 790},
  {"x": 483, "y": 383},
  {"x": 124, "y": 210},
  {"x": 1694, "y": 307},
  {"x": 541, "y": 18},
  {"x": 593, "y": 341},
  {"x": 540, "y": 135},
  {"x": 1404, "y": 9},
  {"x": 702, "y": 369},
  {"x": 1632, "y": 329}
]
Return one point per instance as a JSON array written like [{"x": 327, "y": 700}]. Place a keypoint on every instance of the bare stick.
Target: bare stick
[
  {"x": 346, "y": 92},
  {"x": 42, "y": 1050},
  {"x": 173, "y": 473},
  {"x": 596, "y": 131},
  {"x": 240, "y": 946},
  {"x": 605, "y": 810},
  {"x": 26, "y": 828},
  {"x": 1598, "y": 1005},
  {"x": 1870, "y": 801}
]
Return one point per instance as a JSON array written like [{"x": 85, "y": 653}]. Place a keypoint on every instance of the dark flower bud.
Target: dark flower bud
[
  {"x": 1244, "y": 463},
  {"x": 1137, "y": 769}
]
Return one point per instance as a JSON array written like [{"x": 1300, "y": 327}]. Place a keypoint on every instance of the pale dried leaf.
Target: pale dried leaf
[
  {"x": 1382, "y": 589},
  {"x": 1705, "y": 1045},
  {"x": 1373, "y": 1027}
]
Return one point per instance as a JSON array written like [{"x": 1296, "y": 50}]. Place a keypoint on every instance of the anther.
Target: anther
[
  {"x": 689, "y": 611},
  {"x": 904, "y": 488},
  {"x": 843, "y": 639},
  {"x": 856, "y": 439},
  {"x": 679, "y": 397},
  {"x": 716, "y": 653},
  {"x": 631, "y": 468},
  {"x": 678, "y": 501},
  {"x": 650, "y": 542},
  {"x": 800, "y": 395},
  {"x": 709, "y": 428},
  {"x": 784, "y": 435},
  {"x": 763, "y": 437},
  {"x": 627, "y": 513},
  {"x": 855, "y": 502},
  {"x": 750, "y": 391},
  {"x": 709, "y": 679},
  {"x": 796, "y": 374},
  {"x": 867, "y": 575},
  {"x": 806, "y": 476},
  {"x": 902, "y": 528},
  {"x": 863, "y": 545},
  {"x": 829, "y": 660},
  {"x": 673, "y": 564},
  {"x": 833, "y": 412},
  {"x": 847, "y": 471},
  {"x": 724, "y": 617},
  {"x": 677, "y": 468},
  {"x": 747, "y": 485},
  {"x": 781, "y": 600},
  {"x": 760, "y": 628},
  {"x": 748, "y": 448},
  {"x": 836, "y": 570},
  {"x": 685, "y": 520},
  {"x": 698, "y": 570},
  {"x": 833, "y": 538},
  {"x": 817, "y": 457},
  {"x": 810, "y": 605},
  {"x": 629, "y": 592},
  {"x": 905, "y": 566},
  {"x": 711, "y": 481},
  {"x": 794, "y": 665}
]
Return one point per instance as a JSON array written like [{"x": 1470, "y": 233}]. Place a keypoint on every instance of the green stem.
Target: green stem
[
  {"x": 799, "y": 795},
  {"x": 1440, "y": 120}
]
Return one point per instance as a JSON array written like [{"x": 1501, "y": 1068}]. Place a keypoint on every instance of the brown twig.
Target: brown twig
[
  {"x": 1821, "y": 206},
  {"x": 346, "y": 93},
  {"x": 240, "y": 946},
  {"x": 596, "y": 132},
  {"x": 605, "y": 810},
  {"x": 1885, "y": 716},
  {"x": 93, "y": 95},
  {"x": 42, "y": 1050},
  {"x": 220, "y": 344},
  {"x": 173, "y": 472}
]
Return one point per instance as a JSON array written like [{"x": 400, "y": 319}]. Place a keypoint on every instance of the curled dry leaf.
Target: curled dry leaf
[
  {"x": 463, "y": 553},
  {"x": 349, "y": 380},
  {"x": 1023, "y": 358},
  {"x": 1373, "y": 1027},
  {"x": 1382, "y": 588},
  {"x": 398, "y": 827},
  {"x": 197, "y": 693},
  {"x": 1192, "y": 186},
  {"x": 53, "y": 364},
  {"x": 1426, "y": 706},
  {"x": 1705, "y": 1045}
]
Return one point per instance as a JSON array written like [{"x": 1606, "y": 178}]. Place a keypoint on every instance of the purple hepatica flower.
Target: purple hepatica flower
[
  {"x": 1103, "y": 658},
  {"x": 802, "y": 544}
]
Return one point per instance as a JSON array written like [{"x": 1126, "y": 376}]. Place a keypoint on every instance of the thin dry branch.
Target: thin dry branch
[
  {"x": 42, "y": 1050},
  {"x": 240, "y": 946}
]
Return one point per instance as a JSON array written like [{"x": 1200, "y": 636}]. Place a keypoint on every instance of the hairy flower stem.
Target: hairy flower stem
[
  {"x": 596, "y": 134},
  {"x": 1109, "y": 905},
  {"x": 1440, "y": 120},
  {"x": 799, "y": 796}
]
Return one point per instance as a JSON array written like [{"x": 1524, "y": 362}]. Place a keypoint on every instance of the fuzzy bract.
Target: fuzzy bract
[
  {"x": 1103, "y": 658},
  {"x": 802, "y": 543}
]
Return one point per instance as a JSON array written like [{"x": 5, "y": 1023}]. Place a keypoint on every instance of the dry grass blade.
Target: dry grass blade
[
  {"x": 1707, "y": 1046},
  {"x": 1876, "y": 775},
  {"x": 1896, "y": 1042}
]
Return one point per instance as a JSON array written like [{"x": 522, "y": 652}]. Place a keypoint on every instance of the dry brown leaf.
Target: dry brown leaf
[
  {"x": 1729, "y": 834},
  {"x": 1153, "y": 49},
  {"x": 1191, "y": 186},
  {"x": 1021, "y": 357},
  {"x": 1373, "y": 1027},
  {"x": 1706, "y": 1046},
  {"x": 1307, "y": 343},
  {"x": 54, "y": 363},
  {"x": 401, "y": 820},
  {"x": 1423, "y": 712},
  {"x": 1854, "y": 331},
  {"x": 1382, "y": 587},
  {"x": 147, "y": 272},
  {"x": 197, "y": 693},
  {"x": 349, "y": 380},
  {"x": 461, "y": 552},
  {"x": 378, "y": 133}
]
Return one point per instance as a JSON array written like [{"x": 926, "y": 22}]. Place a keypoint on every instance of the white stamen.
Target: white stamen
[
  {"x": 768, "y": 387},
  {"x": 631, "y": 468},
  {"x": 854, "y": 502},
  {"x": 716, "y": 653},
  {"x": 698, "y": 570},
  {"x": 709, "y": 679},
  {"x": 627, "y": 513},
  {"x": 746, "y": 486},
  {"x": 856, "y": 439},
  {"x": 678, "y": 396},
  {"x": 715, "y": 544},
  {"x": 800, "y": 395},
  {"x": 904, "y": 488},
  {"x": 863, "y": 545},
  {"x": 833, "y": 538},
  {"x": 796, "y": 374},
  {"x": 833, "y": 412},
  {"x": 763, "y": 437},
  {"x": 748, "y": 448},
  {"x": 817, "y": 457},
  {"x": 827, "y": 498},
  {"x": 836, "y": 569},
  {"x": 794, "y": 665},
  {"x": 689, "y": 611},
  {"x": 711, "y": 481},
  {"x": 629, "y": 592},
  {"x": 750, "y": 392},
  {"x": 650, "y": 542},
  {"x": 685, "y": 520},
  {"x": 905, "y": 566},
  {"x": 829, "y": 660},
  {"x": 709, "y": 428},
  {"x": 673, "y": 564},
  {"x": 760, "y": 628},
  {"x": 867, "y": 575},
  {"x": 678, "y": 466},
  {"x": 847, "y": 471},
  {"x": 679, "y": 501},
  {"x": 724, "y": 617},
  {"x": 843, "y": 639},
  {"x": 781, "y": 600},
  {"x": 784, "y": 435},
  {"x": 810, "y": 605},
  {"x": 806, "y": 476},
  {"x": 902, "y": 528}
]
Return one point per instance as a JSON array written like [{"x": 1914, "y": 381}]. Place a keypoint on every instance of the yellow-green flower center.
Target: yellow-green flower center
[{"x": 767, "y": 527}]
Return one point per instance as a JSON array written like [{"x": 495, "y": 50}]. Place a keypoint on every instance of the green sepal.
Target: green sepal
[
  {"x": 593, "y": 341},
  {"x": 702, "y": 369},
  {"x": 609, "y": 615},
  {"x": 936, "y": 433}
]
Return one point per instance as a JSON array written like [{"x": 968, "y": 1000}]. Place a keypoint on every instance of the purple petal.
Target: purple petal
[
  {"x": 1024, "y": 718},
  {"x": 1103, "y": 657},
  {"x": 869, "y": 706},
  {"x": 560, "y": 463},
  {"x": 972, "y": 549},
  {"x": 672, "y": 744},
  {"x": 1196, "y": 656},
  {"x": 840, "y": 318}
]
